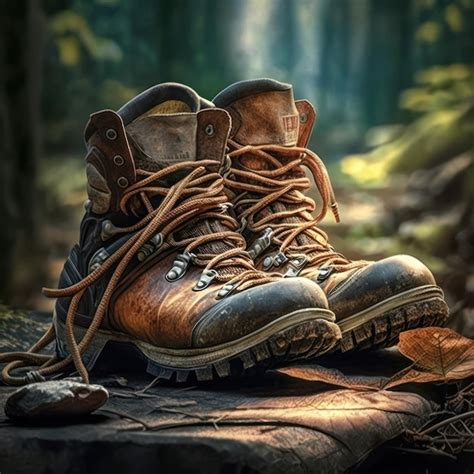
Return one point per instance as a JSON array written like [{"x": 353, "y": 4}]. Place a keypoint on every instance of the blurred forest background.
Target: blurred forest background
[{"x": 392, "y": 80}]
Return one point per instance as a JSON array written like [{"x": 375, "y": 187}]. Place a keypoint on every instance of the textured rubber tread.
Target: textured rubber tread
[
  {"x": 301, "y": 341},
  {"x": 384, "y": 330}
]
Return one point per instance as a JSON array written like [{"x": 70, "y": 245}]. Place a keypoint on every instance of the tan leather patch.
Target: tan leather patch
[
  {"x": 290, "y": 127},
  {"x": 163, "y": 140},
  {"x": 265, "y": 118}
]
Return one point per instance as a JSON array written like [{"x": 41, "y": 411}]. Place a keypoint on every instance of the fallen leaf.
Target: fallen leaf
[
  {"x": 438, "y": 354},
  {"x": 332, "y": 376}
]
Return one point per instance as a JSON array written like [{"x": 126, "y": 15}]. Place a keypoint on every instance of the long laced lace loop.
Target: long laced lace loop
[
  {"x": 199, "y": 195},
  {"x": 279, "y": 180}
]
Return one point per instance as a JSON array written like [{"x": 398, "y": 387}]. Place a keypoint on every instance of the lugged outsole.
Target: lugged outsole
[
  {"x": 299, "y": 340},
  {"x": 309, "y": 339},
  {"x": 384, "y": 330}
]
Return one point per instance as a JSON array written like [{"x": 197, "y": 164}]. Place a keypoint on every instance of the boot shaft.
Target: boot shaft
[
  {"x": 267, "y": 183},
  {"x": 162, "y": 126},
  {"x": 264, "y": 112}
]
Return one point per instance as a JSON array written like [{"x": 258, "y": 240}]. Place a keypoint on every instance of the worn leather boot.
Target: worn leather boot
[
  {"x": 373, "y": 301},
  {"x": 160, "y": 266}
]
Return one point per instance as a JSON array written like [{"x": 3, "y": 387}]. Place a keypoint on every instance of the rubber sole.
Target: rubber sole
[
  {"x": 380, "y": 325},
  {"x": 301, "y": 334}
]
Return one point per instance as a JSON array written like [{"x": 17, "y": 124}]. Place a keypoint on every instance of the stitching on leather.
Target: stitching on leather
[{"x": 341, "y": 286}]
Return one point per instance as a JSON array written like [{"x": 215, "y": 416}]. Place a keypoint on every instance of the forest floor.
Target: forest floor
[{"x": 286, "y": 421}]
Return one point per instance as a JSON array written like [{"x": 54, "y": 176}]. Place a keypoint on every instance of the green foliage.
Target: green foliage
[
  {"x": 440, "y": 87},
  {"x": 73, "y": 35},
  {"x": 62, "y": 184},
  {"x": 115, "y": 93},
  {"x": 428, "y": 32},
  {"x": 444, "y": 103},
  {"x": 351, "y": 58},
  {"x": 450, "y": 18},
  {"x": 454, "y": 18}
]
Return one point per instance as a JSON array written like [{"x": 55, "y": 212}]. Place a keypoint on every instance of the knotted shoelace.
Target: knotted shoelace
[
  {"x": 199, "y": 195},
  {"x": 257, "y": 189}
]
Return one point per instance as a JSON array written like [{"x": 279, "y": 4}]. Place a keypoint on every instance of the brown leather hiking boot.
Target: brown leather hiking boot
[
  {"x": 373, "y": 301},
  {"x": 160, "y": 266}
]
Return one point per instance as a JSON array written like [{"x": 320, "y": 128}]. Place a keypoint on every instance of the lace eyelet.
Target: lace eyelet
[
  {"x": 303, "y": 117},
  {"x": 118, "y": 160},
  {"x": 122, "y": 182},
  {"x": 261, "y": 243},
  {"x": 206, "y": 279},
  {"x": 111, "y": 134},
  {"x": 324, "y": 273},
  {"x": 279, "y": 259},
  {"x": 242, "y": 226},
  {"x": 150, "y": 247},
  {"x": 209, "y": 130},
  {"x": 295, "y": 266},
  {"x": 226, "y": 290},
  {"x": 108, "y": 230},
  {"x": 99, "y": 257},
  {"x": 267, "y": 263},
  {"x": 180, "y": 266}
]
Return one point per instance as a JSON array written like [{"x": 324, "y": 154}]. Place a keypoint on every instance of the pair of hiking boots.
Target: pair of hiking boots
[{"x": 200, "y": 248}]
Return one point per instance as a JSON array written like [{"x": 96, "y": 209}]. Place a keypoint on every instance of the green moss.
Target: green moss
[{"x": 429, "y": 141}]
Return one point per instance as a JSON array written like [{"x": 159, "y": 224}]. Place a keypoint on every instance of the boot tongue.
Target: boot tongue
[
  {"x": 161, "y": 124},
  {"x": 263, "y": 112},
  {"x": 160, "y": 140}
]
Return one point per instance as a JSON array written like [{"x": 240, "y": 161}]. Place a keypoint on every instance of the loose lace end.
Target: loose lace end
[{"x": 335, "y": 211}]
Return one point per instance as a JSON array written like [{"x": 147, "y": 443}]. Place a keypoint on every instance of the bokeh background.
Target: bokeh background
[{"x": 392, "y": 80}]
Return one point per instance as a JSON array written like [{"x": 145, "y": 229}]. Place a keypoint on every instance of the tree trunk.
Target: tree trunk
[{"x": 20, "y": 82}]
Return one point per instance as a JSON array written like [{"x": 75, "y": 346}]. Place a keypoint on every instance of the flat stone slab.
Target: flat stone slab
[{"x": 269, "y": 424}]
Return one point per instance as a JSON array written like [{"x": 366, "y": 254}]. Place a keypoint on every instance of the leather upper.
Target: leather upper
[
  {"x": 350, "y": 287},
  {"x": 145, "y": 303},
  {"x": 246, "y": 312},
  {"x": 173, "y": 315},
  {"x": 356, "y": 290}
]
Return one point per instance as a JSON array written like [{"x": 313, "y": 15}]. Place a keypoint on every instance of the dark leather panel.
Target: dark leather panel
[
  {"x": 155, "y": 95},
  {"x": 212, "y": 146},
  {"x": 376, "y": 282},
  {"x": 246, "y": 88},
  {"x": 106, "y": 139},
  {"x": 246, "y": 312},
  {"x": 307, "y": 118}
]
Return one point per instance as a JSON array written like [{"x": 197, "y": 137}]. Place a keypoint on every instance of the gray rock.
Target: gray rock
[{"x": 55, "y": 399}]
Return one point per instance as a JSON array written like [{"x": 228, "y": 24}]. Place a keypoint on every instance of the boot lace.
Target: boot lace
[
  {"x": 199, "y": 195},
  {"x": 279, "y": 181}
]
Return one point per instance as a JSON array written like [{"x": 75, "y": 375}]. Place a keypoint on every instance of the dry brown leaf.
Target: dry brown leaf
[
  {"x": 438, "y": 354},
  {"x": 331, "y": 376}
]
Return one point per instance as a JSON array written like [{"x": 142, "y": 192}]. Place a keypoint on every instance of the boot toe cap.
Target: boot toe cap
[
  {"x": 377, "y": 282},
  {"x": 244, "y": 313}
]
